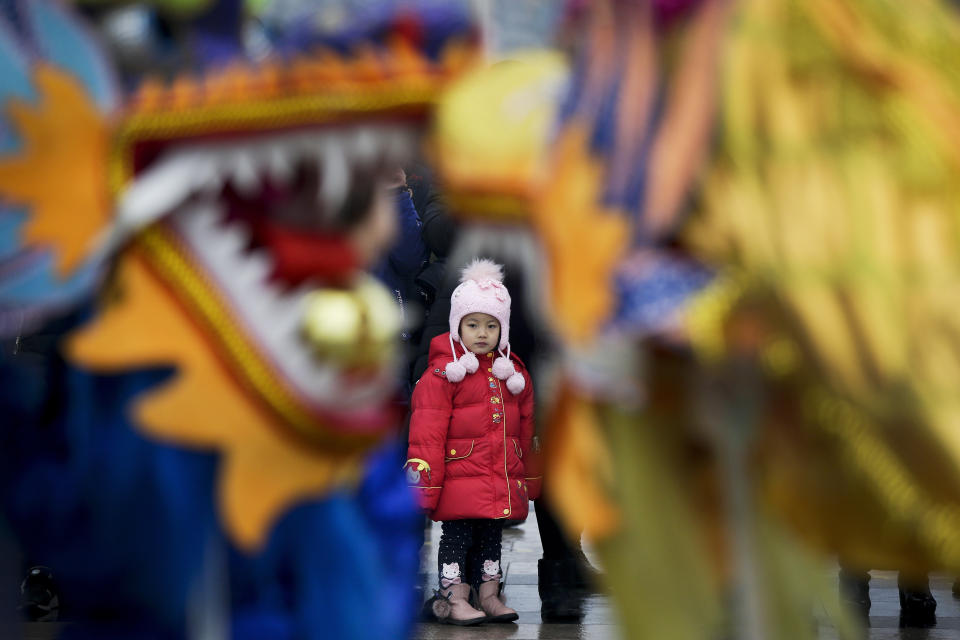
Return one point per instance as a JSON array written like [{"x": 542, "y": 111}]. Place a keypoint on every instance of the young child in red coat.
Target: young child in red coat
[{"x": 470, "y": 439}]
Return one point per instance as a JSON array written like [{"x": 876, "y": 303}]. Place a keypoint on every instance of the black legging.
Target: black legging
[{"x": 478, "y": 539}]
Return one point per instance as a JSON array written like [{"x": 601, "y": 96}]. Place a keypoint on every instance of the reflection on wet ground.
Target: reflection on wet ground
[
  {"x": 885, "y": 622},
  {"x": 521, "y": 550}
]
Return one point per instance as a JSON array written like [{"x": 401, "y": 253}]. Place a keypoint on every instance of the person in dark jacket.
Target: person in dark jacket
[
  {"x": 438, "y": 232},
  {"x": 438, "y": 229},
  {"x": 399, "y": 268},
  {"x": 917, "y": 605}
]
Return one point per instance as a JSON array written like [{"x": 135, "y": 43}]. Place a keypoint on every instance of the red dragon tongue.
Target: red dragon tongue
[{"x": 301, "y": 255}]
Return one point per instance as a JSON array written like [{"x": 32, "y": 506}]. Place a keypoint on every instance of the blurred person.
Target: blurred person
[
  {"x": 9, "y": 566},
  {"x": 439, "y": 231},
  {"x": 401, "y": 264},
  {"x": 917, "y": 605}
]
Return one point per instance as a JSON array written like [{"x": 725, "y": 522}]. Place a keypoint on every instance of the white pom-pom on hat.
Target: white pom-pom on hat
[
  {"x": 503, "y": 368},
  {"x": 482, "y": 270},
  {"x": 455, "y": 371},
  {"x": 516, "y": 383},
  {"x": 469, "y": 361},
  {"x": 458, "y": 368}
]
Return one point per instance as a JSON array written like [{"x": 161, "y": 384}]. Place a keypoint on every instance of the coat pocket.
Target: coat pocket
[
  {"x": 456, "y": 448},
  {"x": 516, "y": 447}
]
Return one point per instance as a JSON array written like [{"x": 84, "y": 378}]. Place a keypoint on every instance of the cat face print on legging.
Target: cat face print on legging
[
  {"x": 491, "y": 570},
  {"x": 450, "y": 574}
]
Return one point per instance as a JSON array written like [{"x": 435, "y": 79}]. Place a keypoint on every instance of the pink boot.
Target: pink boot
[
  {"x": 452, "y": 606},
  {"x": 492, "y": 603}
]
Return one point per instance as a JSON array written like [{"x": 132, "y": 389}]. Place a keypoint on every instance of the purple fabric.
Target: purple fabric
[
  {"x": 669, "y": 10},
  {"x": 653, "y": 288},
  {"x": 219, "y": 33}
]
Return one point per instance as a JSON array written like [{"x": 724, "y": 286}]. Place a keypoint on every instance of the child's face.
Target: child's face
[{"x": 480, "y": 333}]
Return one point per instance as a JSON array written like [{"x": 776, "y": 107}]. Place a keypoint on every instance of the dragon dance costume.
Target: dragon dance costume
[
  {"x": 768, "y": 379},
  {"x": 196, "y": 377}
]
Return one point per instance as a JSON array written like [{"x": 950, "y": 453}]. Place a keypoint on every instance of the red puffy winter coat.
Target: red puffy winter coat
[{"x": 470, "y": 441}]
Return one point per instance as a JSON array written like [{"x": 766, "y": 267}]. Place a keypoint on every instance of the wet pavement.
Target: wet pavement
[
  {"x": 521, "y": 550},
  {"x": 885, "y": 612}
]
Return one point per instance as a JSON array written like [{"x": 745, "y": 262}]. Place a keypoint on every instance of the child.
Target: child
[{"x": 470, "y": 436}]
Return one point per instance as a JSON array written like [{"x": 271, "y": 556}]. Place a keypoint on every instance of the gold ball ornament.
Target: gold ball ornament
[{"x": 354, "y": 328}]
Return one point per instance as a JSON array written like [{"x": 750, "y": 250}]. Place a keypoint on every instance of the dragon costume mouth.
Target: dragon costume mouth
[
  {"x": 223, "y": 207},
  {"x": 310, "y": 180},
  {"x": 295, "y": 147},
  {"x": 246, "y": 189},
  {"x": 296, "y": 150}
]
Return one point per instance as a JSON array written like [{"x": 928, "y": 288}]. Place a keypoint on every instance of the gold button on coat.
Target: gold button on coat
[
  {"x": 506, "y": 511},
  {"x": 453, "y": 452}
]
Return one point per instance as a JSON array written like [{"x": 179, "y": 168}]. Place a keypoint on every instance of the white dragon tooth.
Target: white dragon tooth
[
  {"x": 309, "y": 147},
  {"x": 257, "y": 305},
  {"x": 364, "y": 145},
  {"x": 285, "y": 320},
  {"x": 409, "y": 144},
  {"x": 399, "y": 143},
  {"x": 224, "y": 157},
  {"x": 226, "y": 243},
  {"x": 244, "y": 173},
  {"x": 390, "y": 143},
  {"x": 279, "y": 163},
  {"x": 159, "y": 189},
  {"x": 335, "y": 177},
  {"x": 200, "y": 219},
  {"x": 257, "y": 266},
  {"x": 248, "y": 273},
  {"x": 270, "y": 298},
  {"x": 207, "y": 179}
]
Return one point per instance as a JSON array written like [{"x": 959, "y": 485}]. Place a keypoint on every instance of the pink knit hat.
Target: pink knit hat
[{"x": 481, "y": 290}]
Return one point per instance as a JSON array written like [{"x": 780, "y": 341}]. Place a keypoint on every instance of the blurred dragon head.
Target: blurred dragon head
[
  {"x": 286, "y": 144},
  {"x": 220, "y": 193}
]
